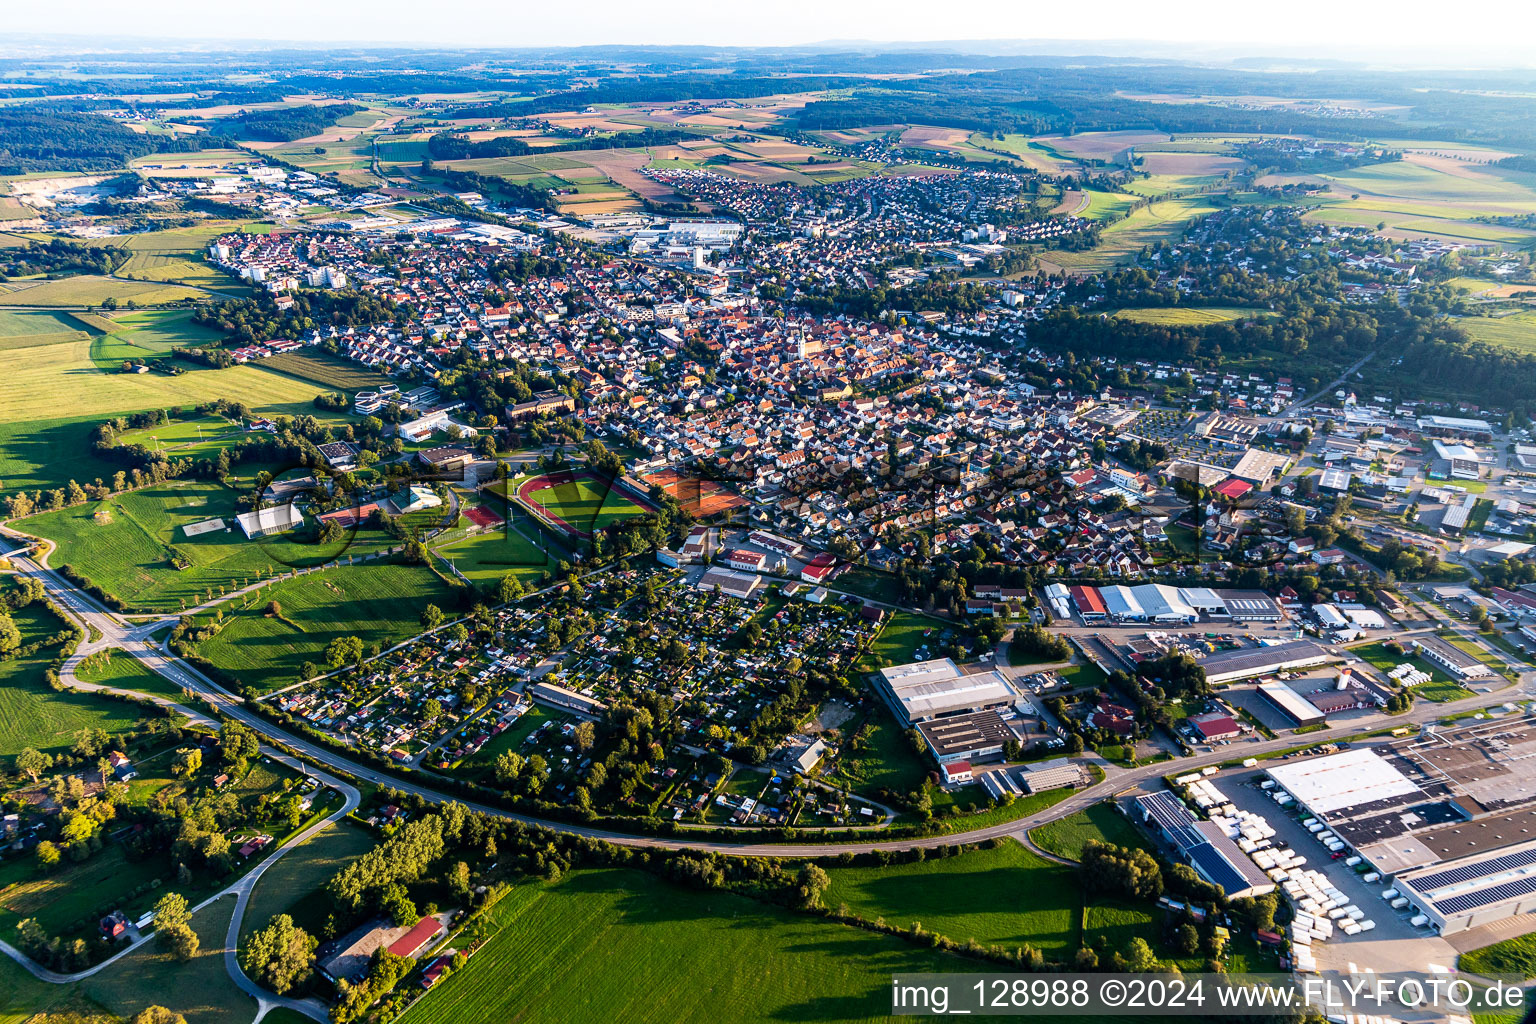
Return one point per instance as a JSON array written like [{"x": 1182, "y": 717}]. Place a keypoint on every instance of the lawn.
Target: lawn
[
  {"x": 1067, "y": 836},
  {"x": 33, "y": 714},
  {"x": 1512, "y": 956},
  {"x": 125, "y": 544},
  {"x": 1116, "y": 924},
  {"x": 887, "y": 762},
  {"x": 380, "y": 602},
  {"x": 480, "y": 763},
  {"x": 64, "y": 900},
  {"x": 899, "y": 639},
  {"x": 129, "y": 673},
  {"x": 201, "y": 989},
  {"x": 1008, "y": 896},
  {"x": 606, "y": 945},
  {"x": 287, "y": 887}
]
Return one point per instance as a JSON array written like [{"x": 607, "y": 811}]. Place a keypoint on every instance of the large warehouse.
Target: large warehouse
[
  {"x": 1250, "y": 662},
  {"x": 1166, "y": 605},
  {"x": 1204, "y": 844},
  {"x": 1450, "y": 816},
  {"x": 933, "y": 689}
]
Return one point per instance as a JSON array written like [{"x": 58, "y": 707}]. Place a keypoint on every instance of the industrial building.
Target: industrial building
[
  {"x": 1289, "y": 703},
  {"x": 975, "y": 737},
  {"x": 740, "y": 585},
  {"x": 1166, "y": 605},
  {"x": 1453, "y": 659},
  {"x": 1205, "y": 845},
  {"x": 1250, "y": 662},
  {"x": 938, "y": 688},
  {"x": 1450, "y": 816}
]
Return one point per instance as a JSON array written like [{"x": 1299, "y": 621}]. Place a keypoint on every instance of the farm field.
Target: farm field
[
  {"x": 1103, "y": 205},
  {"x": 1159, "y": 221},
  {"x": 1007, "y": 895},
  {"x": 147, "y": 334},
  {"x": 1189, "y": 316},
  {"x": 34, "y": 329},
  {"x": 324, "y": 369},
  {"x": 33, "y": 714},
  {"x": 380, "y": 602},
  {"x": 93, "y": 290},
  {"x": 609, "y": 945},
  {"x": 1516, "y": 331},
  {"x": 125, "y": 544},
  {"x": 1067, "y": 836},
  {"x": 285, "y": 887}
]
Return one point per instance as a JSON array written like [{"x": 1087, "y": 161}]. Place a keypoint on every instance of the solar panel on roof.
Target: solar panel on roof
[
  {"x": 1215, "y": 867},
  {"x": 1485, "y": 897},
  {"x": 1467, "y": 872}
]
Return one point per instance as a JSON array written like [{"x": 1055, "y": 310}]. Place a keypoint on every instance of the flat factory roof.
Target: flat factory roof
[{"x": 1342, "y": 780}]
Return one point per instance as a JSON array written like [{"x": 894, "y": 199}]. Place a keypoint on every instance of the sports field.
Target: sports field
[
  {"x": 577, "y": 502},
  {"x": 380, "y": 602},
  {"x": 606, "y": 945},
  {"x": 486, "y": 557}
]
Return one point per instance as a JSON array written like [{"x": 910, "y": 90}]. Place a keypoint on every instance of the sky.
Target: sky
[{"x": 1432, "y": 31}]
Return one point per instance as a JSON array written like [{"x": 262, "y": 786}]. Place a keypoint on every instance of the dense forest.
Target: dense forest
[
  {"x": 453, "y": 146},
  {"x": 283, "y": 124},
  {"x": 38, "y": 139}
]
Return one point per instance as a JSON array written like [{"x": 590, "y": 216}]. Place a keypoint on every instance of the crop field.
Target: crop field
[
  {"x": 1029, "y": 152},
  {"x": 33, "y": 714},
  {"x": 1104, "y": 205},
  {"x": 607, "y": 945},
  {"x": 284, "y": 887},
  {"x": 148, "y": 334},
  {"x": 1159, "y": 221},
  {"x": 380, "y": 602},
  {"x": 200, "y": 990},
  {"x": 324, "y": 369},
  {"x": 93, "y": 290},
  {"x": 1189, "y": 316},
  {"x": 1163, "y": 184},
  {"x": 1107, "y": 146},
  {"x": 1006, "y": 895},
  {"x": 34, "y": 329},
  {"x": 175, "y": 268},
  {"x": 487, "y": 557},
  {"x": 125, "y": 544},
  {"x": 1067, "y": 836},
  {"x": 1516, "y": 331},
  {"x": 1444, "y": 181}
]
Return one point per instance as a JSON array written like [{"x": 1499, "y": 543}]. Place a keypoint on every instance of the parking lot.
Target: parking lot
[{"x": 1394, "y": 944}]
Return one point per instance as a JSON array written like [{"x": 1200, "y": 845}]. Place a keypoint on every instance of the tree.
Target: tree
[
  {"x": 1139, "y": 957},
  {"x": 509, "y": 589},
  {"x": 47, "y": 855},
  {"x": 188, "y": 762},
  {"x": 237, "y": 743},
  {"x": 585, "y": 736},
  {"x": 432, "y": 710},
  {"x": 431, "y": 616},
  {"x": 396, "y": 902},
  {"x": 509, "y": 765},
  {"x": 33, "y": 762},
  {"x": 10, "y": 636},
  {"x": 281, "y": 956},
  {"x": 344, "y": 650},
  {"x": 811, "y": 885},
  {"x": 157, "y": 1015}
]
